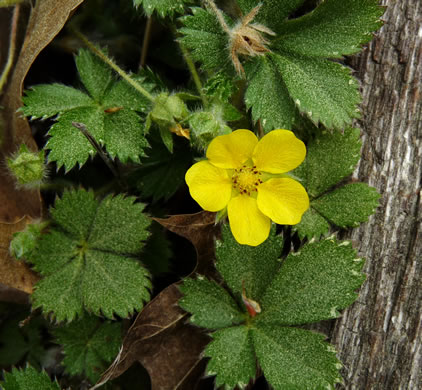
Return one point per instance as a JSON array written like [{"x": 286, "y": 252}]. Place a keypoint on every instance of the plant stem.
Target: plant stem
[
  {"x": 194, "y": 74},
  {"x": 220, "y": 16},
  {"x": 112, "y": 65},
  {"x": 145, "y": 43},
  {"x": 12, "y": 47}
]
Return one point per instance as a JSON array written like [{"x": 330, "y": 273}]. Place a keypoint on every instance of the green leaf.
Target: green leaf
[
  {"x": 210, "y": 304},
  {"x": 348, "y": 206},
  {"x": 26, "y": 379},
  {"x": 67, "y": 145},
  {"x": 88, "y": 259},
  {"x": 312, "y": 225},
  {"x": 267, "y": 95},
  {"x": 313, "y": 284},
  {"x": 95, "y": 75},
  {"x": 295, "y": 358},
  {"x": 21, "y": 343},
  {"x": 333, "y": 29},
  {"x": 89, "y": 345},
  {"x": 162, "y": 7},
  {"x": 330, "y": 158},
  {"x": 46, "y": 100},
  {"x": 162, "y": 173},
  {"x": 232, "y": 357},
  {"x": 252, "y": 266},
  {"x": 204, "y": 36},
  {"x": 272, "y": 12},
  {"x": 323, "y": 90},
  {"x": 110, "y": 115}
]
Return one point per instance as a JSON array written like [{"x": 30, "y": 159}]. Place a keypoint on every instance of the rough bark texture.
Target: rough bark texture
[{"x": 379, "y": 338}]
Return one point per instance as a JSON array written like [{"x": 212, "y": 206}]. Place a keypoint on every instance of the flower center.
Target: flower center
[{"x": 246, "y": 179}]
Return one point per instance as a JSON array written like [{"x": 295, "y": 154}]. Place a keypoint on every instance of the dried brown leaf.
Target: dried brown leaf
[
  {"x": 14, "y": 273},
  {"x": 162, "y": 341},
  {"x": 161, "y": 338}
]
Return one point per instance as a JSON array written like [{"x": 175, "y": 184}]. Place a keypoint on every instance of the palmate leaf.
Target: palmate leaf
[
  {"x": 89, "y": 345},
  {"x": 88, "y": 259},
  {"x": 109, "y": 112},
  {"x": 311, "y": 285},
  {"x": 296, "y": 70},
  {"x": 29, "y": 378},
  {"x": 162, "y": 7},
  {"x": 331, "y": 157}
]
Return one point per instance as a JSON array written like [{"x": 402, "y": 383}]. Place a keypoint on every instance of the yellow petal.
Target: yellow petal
[
  {"x": 283, "y": 200},
  {"x": 279, "y": 151},
  {"x": 210, "y": 186},
  {"x": 232, "y": 150},
  {"x": 248, "y": 225}
]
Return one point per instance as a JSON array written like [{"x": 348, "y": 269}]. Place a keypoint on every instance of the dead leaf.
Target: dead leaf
[
  {"x": 161, "y": 338},
  {"x": 162, "y": 341},
  {"x": 17, "y": 206},
  {"x": 14, "y": 273},
  {"x": 200, "y": 229}
]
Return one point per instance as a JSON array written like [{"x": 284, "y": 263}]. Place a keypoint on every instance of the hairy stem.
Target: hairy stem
[
  {"x": 112, "y": 65},
  {"x": 194, "y": 74},
  {"x": 145, "y": 43},
  {"x": 220, "y": 16},
  {"x": 12, "y": 47}
]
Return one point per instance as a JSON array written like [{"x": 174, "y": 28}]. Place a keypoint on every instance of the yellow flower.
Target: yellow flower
[{"x": 246, "y": 176}]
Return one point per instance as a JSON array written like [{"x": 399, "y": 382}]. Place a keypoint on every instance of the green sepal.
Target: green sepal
[
  {"x": 162, "y": 7},
  {"x": 348, "y": 206},
  {"x": 205, "y": 126},
  {"x": 313, "y": 284},
  {"x": 28, "y": 378},
  {"x": 332, "y": 30},
  {"x": 88, "y": 258},
  {"x": 250, "y": 267},
  {"x": 210, "y": 304},
  {"x": 27, "y": 167},
  {"x": 23, "y": 243},
  {"x": 294, "y": 358},
  {"x": 89, "y": 345},
  {"x": 232, "y": 357}
]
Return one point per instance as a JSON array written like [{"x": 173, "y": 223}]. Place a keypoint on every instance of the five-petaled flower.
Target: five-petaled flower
[{"x": 249, "y": 178}]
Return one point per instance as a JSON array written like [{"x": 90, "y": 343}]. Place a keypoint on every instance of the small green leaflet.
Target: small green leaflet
[
  {"x": 204, "y": 37},
  {"x": 109, "y": 111},
  {"x": 311, "y": 285},
  {"x": 29, "y": 378},
  {"x": 331, "y": 157},
  {"x": 247, "y": 266},
  {"x": 88, "y": 259},
  {"x": 89, "y": 345},
  {"x": 162, "y": 7},
  {"x": 296, "y": 71}
]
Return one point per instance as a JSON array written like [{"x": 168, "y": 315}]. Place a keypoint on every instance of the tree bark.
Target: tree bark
[{"x": 379, "y": 338}]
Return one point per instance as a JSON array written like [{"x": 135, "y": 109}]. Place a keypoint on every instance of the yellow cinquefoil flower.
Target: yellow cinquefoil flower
[{"x": 245, "y": 175}]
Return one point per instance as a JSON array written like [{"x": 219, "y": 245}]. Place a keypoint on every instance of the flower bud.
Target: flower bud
[{"x": 28, "y": 168}]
